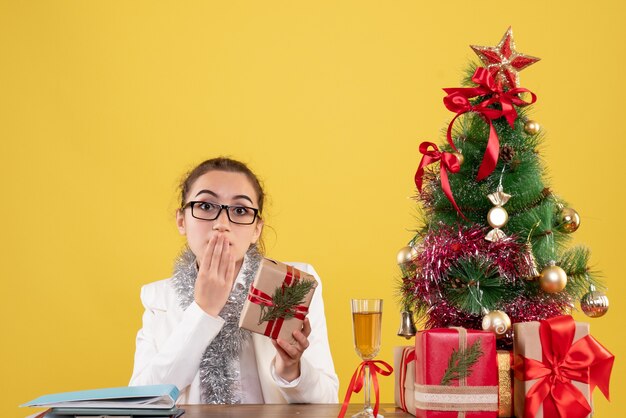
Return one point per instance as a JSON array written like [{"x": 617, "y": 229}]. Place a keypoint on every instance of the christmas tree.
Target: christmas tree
[{"x": 493, "y": 249}]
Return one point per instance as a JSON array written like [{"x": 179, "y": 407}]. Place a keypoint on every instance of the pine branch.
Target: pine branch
[
  {"x": 474, "y": 283},
  {"x": 285, "y": 299},
  {"x": 575, "y": 262},
  {"x": 460, "y": 363},
  {"x": 469, "y": 72}
]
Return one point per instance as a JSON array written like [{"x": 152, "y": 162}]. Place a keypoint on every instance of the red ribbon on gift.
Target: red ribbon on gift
[
  {"x": 259, "y": 297},
  {"x": 358, "y": 379},
  {"x": 585, "y": 361},
  {"x": 458, "y": 101},
  {"x": 408, "y": 355},
  {"x": 448, "y": 162}
]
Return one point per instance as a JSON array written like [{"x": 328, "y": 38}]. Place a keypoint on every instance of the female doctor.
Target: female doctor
[{"x": 190, "y": 335}]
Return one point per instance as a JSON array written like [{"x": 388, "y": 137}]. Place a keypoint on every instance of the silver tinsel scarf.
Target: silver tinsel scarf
[{"x": 220, "y": 374}]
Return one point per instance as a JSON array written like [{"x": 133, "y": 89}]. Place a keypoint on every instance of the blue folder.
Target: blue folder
[{"x": 136, "y": 397}]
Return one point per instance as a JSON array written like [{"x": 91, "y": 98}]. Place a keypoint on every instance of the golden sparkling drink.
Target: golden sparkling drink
[{"x": 367, "y": 330}]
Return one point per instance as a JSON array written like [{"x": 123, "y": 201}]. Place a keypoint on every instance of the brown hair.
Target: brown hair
[{"x": 223, "y": 164}]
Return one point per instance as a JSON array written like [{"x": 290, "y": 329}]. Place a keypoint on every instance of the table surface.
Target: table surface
[{"x": 280, "y": 410}]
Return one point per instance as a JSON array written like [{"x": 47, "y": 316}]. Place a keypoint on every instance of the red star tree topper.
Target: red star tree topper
[{"x": 503, "y": 61}]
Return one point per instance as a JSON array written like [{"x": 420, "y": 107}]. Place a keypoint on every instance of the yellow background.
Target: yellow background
[{"x": 105, "y": 104}]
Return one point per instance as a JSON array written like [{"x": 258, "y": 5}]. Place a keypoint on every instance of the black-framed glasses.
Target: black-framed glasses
[{"x": 242, "y": 215}]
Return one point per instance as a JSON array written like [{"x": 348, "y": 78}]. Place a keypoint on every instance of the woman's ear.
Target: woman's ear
[
  {"x": 180, "y": 222},
  {"x": 258, "y": 228}
]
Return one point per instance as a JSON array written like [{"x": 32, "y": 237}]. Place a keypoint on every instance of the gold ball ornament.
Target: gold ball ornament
[
  {"x": 553, "y": 279},
  {"x": 569, "y": 220},
  {"x": 406, "y": 254},
  {"x": 405, "y": 257},
  {"x": 531, "y": 127},
  {"x": 497, "y": 217},
  {"x": 594, "y": 304},
  {"x": 497, "y": 322}
]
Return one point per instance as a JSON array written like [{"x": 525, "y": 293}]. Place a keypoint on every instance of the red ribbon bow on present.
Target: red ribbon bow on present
[
  {"x": 259, "y": 297},
  {"x": 358, "y": 378},
  {"x": 448, "y": 162},
  {"x": 458, "y": 101},
  {"x": 585, "y": 361}
]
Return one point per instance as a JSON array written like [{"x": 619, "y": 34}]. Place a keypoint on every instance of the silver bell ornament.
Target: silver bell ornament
[{"x": 407, "y": 326}]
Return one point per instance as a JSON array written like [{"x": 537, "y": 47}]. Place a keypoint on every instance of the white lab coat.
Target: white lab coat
[{"x": 171, "y": 343}]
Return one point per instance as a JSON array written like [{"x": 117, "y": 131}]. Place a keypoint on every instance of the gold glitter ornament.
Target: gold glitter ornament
[
  {"x": 553, "y": 278},
  {"x": 505, "y": 384},
  {"x": 531, "y": 127},
  {"x": 497, "y": 216},
  {"x": 569, "y": 220},
  {"x": 497, "y": 322},
  {"x": 594, "y": 303}
]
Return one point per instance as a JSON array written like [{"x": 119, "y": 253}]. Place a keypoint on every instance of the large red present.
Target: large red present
[
  {"x": 456, "y": 374},
  {"x": 266, "y": 310},
  {"x": 557, "y": 365}
]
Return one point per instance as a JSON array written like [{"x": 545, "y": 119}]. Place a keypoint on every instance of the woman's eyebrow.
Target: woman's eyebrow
[
  {"x": 243, "y": 196},
  {"x": 207, "y": 192},
  {"x": 239, "y": 196}
]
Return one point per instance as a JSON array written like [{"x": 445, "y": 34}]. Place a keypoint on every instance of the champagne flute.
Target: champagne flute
[{"x": 366, "y": 322}]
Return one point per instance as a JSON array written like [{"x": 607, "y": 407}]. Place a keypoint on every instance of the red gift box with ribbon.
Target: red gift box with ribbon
[
  {"x": 404, "y": 366},
  {"x": 272, "y": 277},
  {"x": 456, "y": 374},
  {"x": 557, "y": 365}
]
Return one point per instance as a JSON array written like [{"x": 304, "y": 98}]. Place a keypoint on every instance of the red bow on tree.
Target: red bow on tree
[
  {"x": 458, "y": 101},
  {"x": 585, "y": 361},
  {"x": 448, "y": 162}
]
